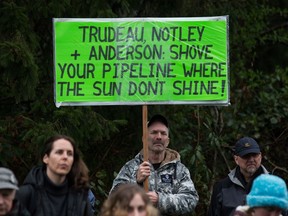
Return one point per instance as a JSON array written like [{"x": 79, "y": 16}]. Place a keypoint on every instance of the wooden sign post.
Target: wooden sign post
[{"x": 145, "y": 145}]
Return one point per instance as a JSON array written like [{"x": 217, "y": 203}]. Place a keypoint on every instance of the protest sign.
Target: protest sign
[{"x": 136, "y": 61}]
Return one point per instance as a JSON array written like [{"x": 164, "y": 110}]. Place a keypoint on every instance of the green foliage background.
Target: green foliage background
[{"x": 110, "y": 135}]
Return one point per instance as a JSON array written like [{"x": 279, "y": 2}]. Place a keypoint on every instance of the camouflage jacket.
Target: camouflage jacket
[{"x": 172, "y": 182}]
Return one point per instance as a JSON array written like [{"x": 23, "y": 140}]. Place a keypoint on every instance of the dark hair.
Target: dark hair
[{"x": 78, "y": 175}]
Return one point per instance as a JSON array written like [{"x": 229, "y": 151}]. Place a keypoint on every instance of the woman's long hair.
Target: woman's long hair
[
  {"x": 78, "y": 175},
  {"x": 118, "y": 202}
]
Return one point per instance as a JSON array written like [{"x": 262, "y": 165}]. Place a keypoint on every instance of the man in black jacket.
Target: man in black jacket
[{"x": 231, "y": 191}]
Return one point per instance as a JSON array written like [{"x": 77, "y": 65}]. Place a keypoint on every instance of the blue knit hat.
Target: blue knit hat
[{"x": 268, "y": 190}]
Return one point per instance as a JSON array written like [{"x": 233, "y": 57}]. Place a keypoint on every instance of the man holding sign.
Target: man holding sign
[{"x": 171, "y": 189}]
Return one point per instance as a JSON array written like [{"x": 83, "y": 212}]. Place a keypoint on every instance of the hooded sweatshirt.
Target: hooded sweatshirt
[{"x": 171, "y": 181}]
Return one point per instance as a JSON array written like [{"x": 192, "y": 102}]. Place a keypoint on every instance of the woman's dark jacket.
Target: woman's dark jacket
[
  {"x": 41, "y": 197},
  {"x": 18, "y": 209}
]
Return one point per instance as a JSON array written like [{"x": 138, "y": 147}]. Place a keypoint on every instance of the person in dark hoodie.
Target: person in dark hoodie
[
  {"x": 60, "y": 186},
  {"x": 171, "y": 188}
]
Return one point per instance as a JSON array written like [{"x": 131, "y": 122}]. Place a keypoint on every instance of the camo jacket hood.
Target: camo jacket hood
[{"x": 172, "y": 182}]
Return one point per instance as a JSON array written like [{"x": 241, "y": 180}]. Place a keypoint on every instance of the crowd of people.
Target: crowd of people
[{"x": 60, "y": 186}]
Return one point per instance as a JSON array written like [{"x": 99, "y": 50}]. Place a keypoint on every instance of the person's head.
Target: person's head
[
  {"x": 247, "y": 156},
  {"x": 158, "y": 133},
  {"x": 242, "y": 211},
  {"x": 268, "y": 196},
  {"x": 62, "y": 159},
  {"x": 128, "y": 200},
  {"x": 8, "y": 187}
]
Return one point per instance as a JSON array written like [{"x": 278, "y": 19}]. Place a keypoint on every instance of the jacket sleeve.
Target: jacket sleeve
[
  {"x": 26, "y": 196},
  {"x": 127, "y": 174},
  {"x": 88, "y": 209},
  {"x": 184, "y": 198},
  {"x": 216, "y": 200},
  {"x": 92, "y": 200}
]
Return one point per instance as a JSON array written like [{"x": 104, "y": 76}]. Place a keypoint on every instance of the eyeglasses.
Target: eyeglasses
[
  {"x": 272, "y": 208},
  {"x": 268, "y": 208},
  {"x": 247, "y": 156}
]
